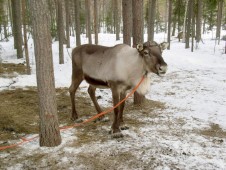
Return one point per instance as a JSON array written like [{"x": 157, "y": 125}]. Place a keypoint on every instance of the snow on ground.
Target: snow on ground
[{"x": 193, "y": 91}]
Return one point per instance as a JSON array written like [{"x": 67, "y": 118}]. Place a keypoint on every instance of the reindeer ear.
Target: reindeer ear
[
  {"x": 164, "y": 45},
  {"x": 140, "y": 47}
]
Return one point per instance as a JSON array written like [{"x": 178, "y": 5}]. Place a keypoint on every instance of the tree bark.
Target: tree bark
[
  {"x": 127, "y": 21},
  {"x": 188, "y": 25},
  {"x": 185, "y": 20},
  {"x": 13, "y": 12},
  {"x": 166, "y": 15},
  {"x": 96, "y": 25},
  {"x": 192, "y": 29},
  {"x": 5, "y": 31},
  {"x": 49, "y": 126},
  {"x": 199, "y": 21},
  {"x": 117, "y": 21},
  {"x": 169, "y": 23},
  {"x": 10, "y": 14},
  {"x": 60, "y": 30},
  {"x": 179, "y": 16},
  {"x": 25, "y": 37},
  {"x": 88, "y": 22},
  {"x": 219, "y": 18},
  {"x": 204, "y": 20},
  {"x": 151, "y": 19},
  {"x": 137, "y": 9},
  {"x": 17, "y": 27},
  {"x": 67, "y": 11},
  {"x": 77, "y": 23},
  {"x": 174, "y": 26}
]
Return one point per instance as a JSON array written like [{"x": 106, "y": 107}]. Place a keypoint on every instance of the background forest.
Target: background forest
[{"x": 74, "y": 17}]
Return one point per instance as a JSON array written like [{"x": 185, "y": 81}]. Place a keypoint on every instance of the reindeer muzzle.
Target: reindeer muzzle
[{"x": 162, "y": 69}]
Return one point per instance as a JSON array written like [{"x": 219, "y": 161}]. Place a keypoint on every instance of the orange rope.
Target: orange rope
[
  {"x": 24, "y": 140},
  {"x": 106, "y": 111}
]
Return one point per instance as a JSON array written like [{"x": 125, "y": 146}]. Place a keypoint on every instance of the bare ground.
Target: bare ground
[{"x": 92, "y": 147}]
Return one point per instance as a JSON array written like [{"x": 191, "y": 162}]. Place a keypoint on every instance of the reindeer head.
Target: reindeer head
[{"x": 152, "y": 55}]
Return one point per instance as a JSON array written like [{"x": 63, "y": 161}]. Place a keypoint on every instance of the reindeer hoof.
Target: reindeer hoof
[
  {"x": 117, "y": 135},
  {"x": 74, "y": 118},
  {"x": 124, "y": 127}
]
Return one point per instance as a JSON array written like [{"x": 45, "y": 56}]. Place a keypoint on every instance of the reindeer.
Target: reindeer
[{"x": 119, "y": 68}]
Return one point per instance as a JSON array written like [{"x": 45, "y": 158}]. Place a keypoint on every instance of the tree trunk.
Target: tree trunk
[
  {"x": 53, "y": 16},
  {"x": 4, "y": 18},
  {"x": 185, "y": 20},
  {"x": 117, "y": 21},
  {"x": 25, "y": 37},
  {"x": 204, "y": 21},
  {"x": 151, "y": 19},
  {"x": 127, "y": 21},
  {"x": 188, "y": 25},
  {"x": 157, "y": 18},
  {"x": 67, "y": 10},
  {"x": 96, "y": 25},
  {"x": 179, "y": 15},
  {"x": 88, "y": 22},
  {"x": 199, "y": 21},
  {"x": 77, "y": 23},
  {"x": 169, "y": 23},
  {"x": 193, "y": 29},
  {"x": 10, "y": 14},
  {"x": 137, "y": 9},
  {"x": 113, "y": 16},
  {"x": 5, "y": 31},
  {"x": 166, "y": 14},
  {"x": 60, "y": 30},
  {"x": 17, "y": 27},
  {"x": 174, "y": 27},
  {"x": 49, "y": 126},
  {"x": 219, "y": 18},
  {"x": 13, "y": 11}
]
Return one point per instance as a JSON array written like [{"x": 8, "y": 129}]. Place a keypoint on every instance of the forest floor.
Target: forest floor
[{"x": 140, "y": 148}]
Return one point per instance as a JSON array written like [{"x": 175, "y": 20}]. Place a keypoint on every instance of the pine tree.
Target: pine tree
[
  {"x": 137, "y": 9},
  {"x": 151, "y": 19},
  {"x": 49, "y": 127},
  {"x": 77, "y": 22},
  {"x": 17, "y": 31},
  {"x": 127, "y": 21}
]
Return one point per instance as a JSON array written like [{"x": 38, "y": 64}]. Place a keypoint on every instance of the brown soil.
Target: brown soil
[
  {"x": 214, "y": 131},
  {"x": 11, "y": 70},
  {"x": 19, "y": 111}
]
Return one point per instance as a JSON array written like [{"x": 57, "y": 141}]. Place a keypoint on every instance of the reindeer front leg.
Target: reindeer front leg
[
  {"x": 116, "y": 133},
  {"x": 122, "y": 124}
]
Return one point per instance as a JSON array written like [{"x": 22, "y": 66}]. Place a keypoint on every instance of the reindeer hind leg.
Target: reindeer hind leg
[
  {"x": 76, "y": 81},
  {"x": 91, "y": 91}
]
